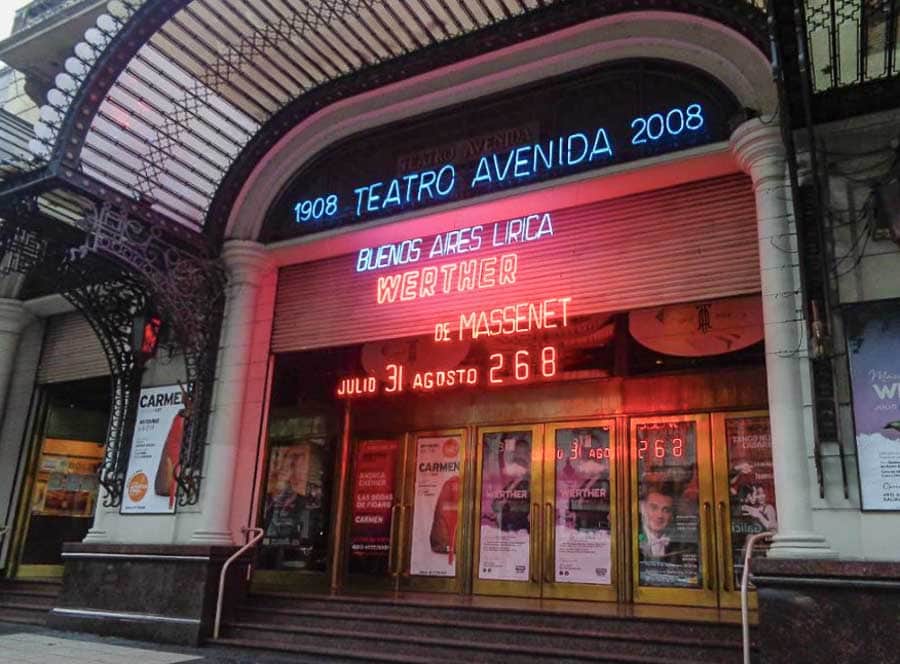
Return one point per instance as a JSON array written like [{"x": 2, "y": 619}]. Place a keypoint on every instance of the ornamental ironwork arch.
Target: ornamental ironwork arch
[
  {"x": 188, "y": 292},
  {"x": 353, "y": 59},
  {"x": 121, "y": 269}
]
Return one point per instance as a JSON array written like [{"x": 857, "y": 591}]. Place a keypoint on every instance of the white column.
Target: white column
[
  {"x": 247, "y": 264},
  {"x": 13, "y": 319},
  {"x": 759, "y": 150}
]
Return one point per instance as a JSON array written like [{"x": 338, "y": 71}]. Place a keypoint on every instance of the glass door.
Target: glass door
[
  {"x": 579, "y": 511},
  {"x": 546, "y": 516},
  {"x": 61, "y": 482},
  {"x": 433, "y": 520},
  {"x": 745, "y": 492},
  {"x": 508, "y": 552},
  {"x": 672, "y": 525}
]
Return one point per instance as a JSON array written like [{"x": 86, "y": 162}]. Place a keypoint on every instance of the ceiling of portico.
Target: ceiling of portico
[{"x": 163, "y": 98}]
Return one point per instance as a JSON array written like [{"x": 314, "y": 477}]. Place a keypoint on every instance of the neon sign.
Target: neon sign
[
  {"x": 427, "y": 186},
  {"x": 520, "y": 164},
  {"x": 588, "y": 120},
  {"x": 451, "y": 278},
  {"x": 528, "y": 228},
  {"x": 526, "y": 161},
  {"x": 512, "y": 319},
  {"x": 511, "y": 368},
  {"x": 457, "y": 277}
]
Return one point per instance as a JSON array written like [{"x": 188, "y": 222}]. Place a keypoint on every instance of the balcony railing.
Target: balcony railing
[
  {"x": 852, "y": 41},
  {"x": 38, "y": 12}
]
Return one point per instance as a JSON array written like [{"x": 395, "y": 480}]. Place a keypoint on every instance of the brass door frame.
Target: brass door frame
[
  {"x": 552, "y": 589},
  {"x": 409, "y": 581},
  {"x": 532, "y": 587},
  {"x": 730, "y": 592},
  {"x": 36, "y": 428},
  {"x": 707, "y": 594}
]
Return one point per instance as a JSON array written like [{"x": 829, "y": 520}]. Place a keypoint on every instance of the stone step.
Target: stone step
[
  {"x": 21, "y": 612},
  {"x": 317, "y": 654},
  {"x": 456, "y": 647},
  {"x": 36, "y": 595},
  {"x": 581, "y": 636},
  {"x": 445, "y": 610},
  {"x": 37, "y": 588}
]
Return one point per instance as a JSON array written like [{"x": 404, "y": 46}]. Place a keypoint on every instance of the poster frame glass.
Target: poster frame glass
[
  {"x": 730, "y": 592},
  {"x": 531, "y": 586},
  {"x": 875, "y": 310},
  {"x": 706, "y": 594},
  {"x": 550, "y": 588},
  {"x": 408, "y": 580}
]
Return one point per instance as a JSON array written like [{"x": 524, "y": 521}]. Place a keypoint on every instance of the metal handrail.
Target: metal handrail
[
  {"x": 257, "y": 535},
  {"x": 745, "y": 581}
]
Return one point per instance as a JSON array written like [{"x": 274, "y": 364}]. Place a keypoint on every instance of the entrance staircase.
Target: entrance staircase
[
  {"x": 27, "y": 602},
  {"x": 419, "y": 629}
]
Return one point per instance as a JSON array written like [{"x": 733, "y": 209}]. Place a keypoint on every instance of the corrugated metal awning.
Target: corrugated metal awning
[{"x": 162, "y": 97}]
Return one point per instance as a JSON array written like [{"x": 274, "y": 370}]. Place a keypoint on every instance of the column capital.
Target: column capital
[
  {"x": 13, "y": 316},
  {"x": 247, "y": 262},
  {"x": 758, "y": 149}
]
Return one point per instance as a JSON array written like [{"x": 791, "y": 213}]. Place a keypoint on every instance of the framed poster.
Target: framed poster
[
  {"x": 505, "y": 542},
  {"x": 873, "y": 340},
  {"x": 150, "y": 486},
  {"x": 436, "y": 507},
  {"x": 374, "y": 493},
  {"x": 668, "y": 534},
  {"x": 751, "y": 483},
  {"x": 582, "y": 539}
]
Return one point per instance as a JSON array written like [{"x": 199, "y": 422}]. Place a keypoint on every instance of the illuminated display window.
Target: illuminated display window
[{"x": 576, "y": 123}]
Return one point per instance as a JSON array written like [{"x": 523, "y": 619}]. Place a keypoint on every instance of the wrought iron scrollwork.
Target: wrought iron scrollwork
[
  {"x": 186, "y": 286},
  {"x": 110, "y": 306},
  {"x": 107, "y": 296}
]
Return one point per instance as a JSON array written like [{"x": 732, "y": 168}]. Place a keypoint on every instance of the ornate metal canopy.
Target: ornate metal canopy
[{"x": 168, "y": 103}]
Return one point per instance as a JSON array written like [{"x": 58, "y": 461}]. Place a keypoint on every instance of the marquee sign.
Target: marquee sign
[
  {"x": 497, "y": 268},
  {"x": 569, "y": 125}
]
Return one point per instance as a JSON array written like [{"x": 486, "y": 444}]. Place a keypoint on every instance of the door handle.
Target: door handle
[
  {"x": 723, "y": 559},
  {"x": 549, "y": 533},
  {"x": 404, "y": 526},
  {"x": 535, "y": 535},
  {"x": 391, "y": 546},
  {"x": 710, "y": 554}
]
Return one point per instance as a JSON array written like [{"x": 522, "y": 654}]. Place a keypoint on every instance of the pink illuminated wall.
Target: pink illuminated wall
[{"x": 691, "y": 242}]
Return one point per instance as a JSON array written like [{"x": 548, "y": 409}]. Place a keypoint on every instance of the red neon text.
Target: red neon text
[
  {"x": 515, "y": 318},
  {"x": 357, "y": 386},
  {"x": 516, "y": 367},
  {"x": 429, "y": 381},
  {"x": 520, "y": 369},
  {"x": 660, "y": 448},
  {"x": 458, "y": 277}
]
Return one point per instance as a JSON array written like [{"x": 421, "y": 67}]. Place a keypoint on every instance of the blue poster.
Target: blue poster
[{"x": 873, "y": 333}]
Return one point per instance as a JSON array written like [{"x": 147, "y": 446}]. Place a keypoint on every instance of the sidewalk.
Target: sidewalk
[{"x": 24, "y": 644}]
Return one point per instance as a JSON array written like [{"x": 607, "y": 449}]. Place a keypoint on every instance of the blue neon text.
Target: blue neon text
[
  {"x": 316, "y": 208},
  {"x": 528, "y": 160},
  {"x": 672, "y": 123},
  {"x": 524, "y": 229},
  {"x": 520, "y": 163},
  {"x": 409, "y": 188}
]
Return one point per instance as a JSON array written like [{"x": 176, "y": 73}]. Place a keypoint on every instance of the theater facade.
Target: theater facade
[{"x": 481, "y": 303}]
